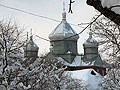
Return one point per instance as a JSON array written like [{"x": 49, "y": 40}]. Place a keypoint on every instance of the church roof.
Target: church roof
[
  {"x": 90, "y": 41},
  {"x": 78, "y": 61},
  {"x": 63, "y": 30},
  {"x": 31, "y": 46}
]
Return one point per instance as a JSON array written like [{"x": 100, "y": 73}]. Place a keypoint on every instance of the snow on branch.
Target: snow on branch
[{"x": 107, "y": 10}]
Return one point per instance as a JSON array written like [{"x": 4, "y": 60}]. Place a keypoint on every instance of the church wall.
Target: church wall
[
  {"x": 62, "y": 47},
  {"x": 90, "y": 56},
  {"x": 68, "y": 57},
  {"x": 90, "y": 52},
  {"x": 58, "y": 47},
  {"x": 70, "y": 46}
]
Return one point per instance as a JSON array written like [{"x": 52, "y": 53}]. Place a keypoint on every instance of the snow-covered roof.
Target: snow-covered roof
[
  {"x": 90, "y": 41},
  {"x": 63, "y": 30},
  {"x": 78, "y": 61},
  {"x": 31, "y": 46},
  {"x": 89, "y": 77}
]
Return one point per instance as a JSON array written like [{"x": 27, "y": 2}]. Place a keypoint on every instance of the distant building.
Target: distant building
[
  {"x": 31, "y": 49},
  {"x": 67, "y": 48},
  {"x": 63, "y": 46},
  {"x": 30, "y": 52},
  {"x": 91, "y": 54}
]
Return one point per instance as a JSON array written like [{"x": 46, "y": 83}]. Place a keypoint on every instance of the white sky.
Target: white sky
[{"x": 82, "y": 13}]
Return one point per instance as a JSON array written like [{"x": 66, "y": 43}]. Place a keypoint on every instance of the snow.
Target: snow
[
  {"x": 25, "y": 87},
  {"x": 76, "y": 62},
  {"x": 64, "y": 28},
  {"x": 91, "y": 40},
  {"x": 89, "y": 80},
  {"x": 109, "y": 3},
  {"x": 69, "y": 52},
  {"x": 32, "y": 46}
]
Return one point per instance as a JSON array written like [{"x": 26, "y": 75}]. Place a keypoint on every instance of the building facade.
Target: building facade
[
  {"x": 30, "y": 52},
  {"x": 31, "y": 49},
  {"x": 63, "y": 46}
]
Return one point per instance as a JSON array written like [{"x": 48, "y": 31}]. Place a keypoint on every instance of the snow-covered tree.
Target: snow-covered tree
[
  {"x": 48, "y": 73},
  {"x": 108, "y": 33},
  {"x": 109, "y": 8},
  {"x": 45, "y": 73},
  {"x": 11, "y": 55}
]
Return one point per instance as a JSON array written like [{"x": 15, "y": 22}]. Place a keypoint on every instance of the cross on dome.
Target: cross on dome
[
  {"x": 64, "y": 13},
  {"x": 63, "y": 30},
  {"x": 31, "y": 36},
  {"x": 90, "y": 34},
  {"x": 90, "y": 41}
]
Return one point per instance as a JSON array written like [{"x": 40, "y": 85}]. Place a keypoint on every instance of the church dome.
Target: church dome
[
  {"x": 63, "y": 30},
  {"x": 91, "y": 42},
  {"x": 31, "y": 46}
]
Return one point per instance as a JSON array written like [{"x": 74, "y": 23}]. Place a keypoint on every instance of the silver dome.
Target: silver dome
[
  {"x": 63, "y": 30},
  {"x": 31, "y": 46},
  {"x": 91, "y": 42}
]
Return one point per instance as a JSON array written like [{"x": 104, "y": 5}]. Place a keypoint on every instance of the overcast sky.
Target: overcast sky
[{"x": 82, "y": 13}]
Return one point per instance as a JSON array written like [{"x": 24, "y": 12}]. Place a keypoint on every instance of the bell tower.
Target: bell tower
[
  {"x": 90, "y": 47},
  {"x": 91, "y": 54},
  {"x": 61, "y": 44},
  {"x": 31, "y": 49}
]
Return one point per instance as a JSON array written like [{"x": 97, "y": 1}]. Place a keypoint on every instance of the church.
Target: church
[{"x": 63, "y": 46}]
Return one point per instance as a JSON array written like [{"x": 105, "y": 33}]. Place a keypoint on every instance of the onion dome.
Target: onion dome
[
  {"x": 63, "y": 30},
  {"x": 91, "y": 42},
  {"x": 31, "y": 46}
]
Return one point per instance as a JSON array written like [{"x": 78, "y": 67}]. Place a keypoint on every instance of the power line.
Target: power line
[
  {"x": 42, "y": 38},
  {"x": 75, "y": 34},
  {"x": 52, "y": 20},
  {"x": 84, "y": 28},
  {"x": 29, "y": 13},
  {"x": 34, "y": 14}
]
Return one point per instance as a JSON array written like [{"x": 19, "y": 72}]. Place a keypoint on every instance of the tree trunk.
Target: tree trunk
[{"x": 105, "y": 11}]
